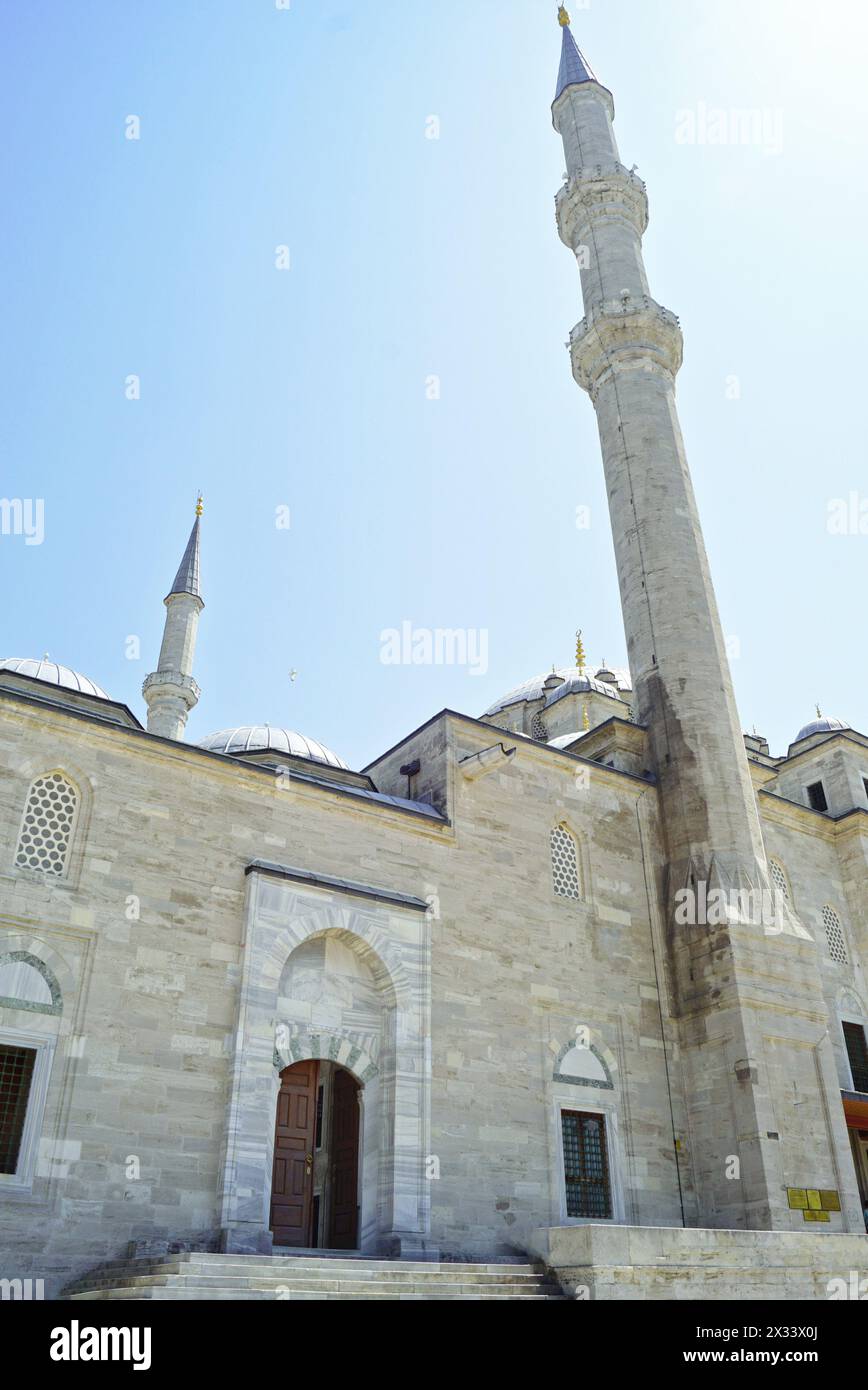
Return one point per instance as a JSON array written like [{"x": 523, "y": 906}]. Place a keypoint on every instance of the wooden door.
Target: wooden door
[
  {"x": 344, "y": 1231},
  {"x": 294, "y": 1134}
]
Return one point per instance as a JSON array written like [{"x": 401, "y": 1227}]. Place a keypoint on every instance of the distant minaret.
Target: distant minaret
[
  {"x": 728, "y": 978},
  {"x": 171, "y": 691}
]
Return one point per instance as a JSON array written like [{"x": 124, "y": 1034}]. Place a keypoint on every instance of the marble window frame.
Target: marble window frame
[{"x": 21, "y": 1181}]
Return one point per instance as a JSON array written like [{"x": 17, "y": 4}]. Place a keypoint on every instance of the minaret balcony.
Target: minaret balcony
[
  {"x": 600, "y": 193},
  {"x": 172, "y": 684},
  {"x": 630, "y": 333}
]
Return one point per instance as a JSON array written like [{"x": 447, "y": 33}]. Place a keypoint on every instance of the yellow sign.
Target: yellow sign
[
  {"x": 830, "y": 1201},
  {"x": 814, "y": 1202},
  {"x": 816, "y": 1216},
  {"x": 797, "y": 1197}
]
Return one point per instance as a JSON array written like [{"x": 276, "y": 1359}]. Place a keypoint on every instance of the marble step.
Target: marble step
[
  {"x": 282, "y": 1278},
  {"x": 314, "y": 1281},
  {"x": 399, "y": 1293},
  {"x": 279, "y": 1269}
]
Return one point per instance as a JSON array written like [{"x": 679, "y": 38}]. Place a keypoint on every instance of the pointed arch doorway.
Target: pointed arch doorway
[{"x": 317, "y": 1159}]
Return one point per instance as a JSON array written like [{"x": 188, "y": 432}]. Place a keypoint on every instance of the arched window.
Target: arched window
[
  {"x": 27, "y": 983},
  {"x": 45, "y": 838},
  {"x": 566, "y": 878},
  {"x": 779, "y": 880},
  {"x": 835, "y": 943}
]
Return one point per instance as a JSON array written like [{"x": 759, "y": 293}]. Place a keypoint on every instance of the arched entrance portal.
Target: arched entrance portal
[{"x": 316, "y": 1184}]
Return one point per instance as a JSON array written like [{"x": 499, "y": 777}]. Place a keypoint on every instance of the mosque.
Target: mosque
[{"x": 433, "y": 1026}]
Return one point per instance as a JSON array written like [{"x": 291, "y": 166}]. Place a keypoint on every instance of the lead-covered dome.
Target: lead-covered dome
[
  {"x": 265, "y": 738},
  {"x": 571, "y": 681},
  {"x": 821, "y": 726},
  {"x": 52, "y": 674}
]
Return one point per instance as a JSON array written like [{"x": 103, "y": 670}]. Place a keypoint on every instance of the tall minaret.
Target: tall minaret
[
  {"x": 732, "y": 982},
  {"x": 171, "y": 691}
]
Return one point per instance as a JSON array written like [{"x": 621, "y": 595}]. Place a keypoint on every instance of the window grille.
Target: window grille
[
  {"x": 835, "y": 936},
  {"x": 817, "y": 797},
  {"x": 565, "y": 863},
  {"x": 16, "y": 1075},
  {"x": 46, "y": 830},
  {"x": 586, "y": 1165},
  {"x": 779, "y": 879}
]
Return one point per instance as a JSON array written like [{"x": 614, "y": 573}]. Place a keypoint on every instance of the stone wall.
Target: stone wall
[
  {"x": 599, "y": 1262},
  {"x": 148, "y": 936}
]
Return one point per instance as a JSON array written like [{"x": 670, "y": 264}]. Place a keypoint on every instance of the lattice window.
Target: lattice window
[
  {"x": 565, "y": 863},
  {"x": 16, "y": 1075},
  {"x": 779, "y": 879},
  {"x": 835, "y": 943},
  {"x": 46, "y": 831},
  {"x": 538, "y": 730},
  {"x": 586, "y": 1165}
]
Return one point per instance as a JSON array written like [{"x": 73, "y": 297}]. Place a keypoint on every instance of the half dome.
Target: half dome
[
  {"x": 265, "y": 738},
  {"x": 52, "y": 674}
]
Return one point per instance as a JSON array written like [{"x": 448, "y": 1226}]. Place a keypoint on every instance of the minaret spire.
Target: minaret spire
[
  {"x": 170, "y": 691},
  {"x": 574, "y": 66},
  {"x": 187, "y": 578},
  {"x": 626, "y": 353}
]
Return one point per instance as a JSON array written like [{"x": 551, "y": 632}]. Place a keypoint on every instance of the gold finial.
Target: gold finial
[
  {"x": 563, "y": 17},
  {"x": 580, "y": 652},
  {"x": 199, "y": 507},
  {"x": 586, "y": 718}
]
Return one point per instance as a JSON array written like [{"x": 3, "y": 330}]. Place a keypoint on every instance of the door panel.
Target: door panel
[
  {"x": 343, "y": 1234},
  {"x": 292, "y": 1179}
]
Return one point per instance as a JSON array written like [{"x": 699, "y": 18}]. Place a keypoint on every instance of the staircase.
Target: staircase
[{"x": 284, "y": 1278}]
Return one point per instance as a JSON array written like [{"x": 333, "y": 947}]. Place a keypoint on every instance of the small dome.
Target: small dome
[
  {"x": 264, "y": 738},
  {"x": 564, "y": 740},
  {"x": 821, "y": 726},
  {"x": 572, "y": 681},
  {"x": 52, "y": 674}
]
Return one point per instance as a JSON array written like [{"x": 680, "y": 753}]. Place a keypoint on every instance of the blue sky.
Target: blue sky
[{"x": 410, "y": 258}]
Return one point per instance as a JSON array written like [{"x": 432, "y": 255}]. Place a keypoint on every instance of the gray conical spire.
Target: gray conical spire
[
  {"x": 574, "y": 67},
  {"x": 187, "y": 578}
]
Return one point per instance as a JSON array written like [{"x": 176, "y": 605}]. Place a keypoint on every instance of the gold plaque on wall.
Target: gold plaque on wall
[
  {"x": 814, "y": 1199},
  {"x": 816, "y": 1216},
  {"x": 797, "y": 1197},
  {"x": 830, "y": 1201}
]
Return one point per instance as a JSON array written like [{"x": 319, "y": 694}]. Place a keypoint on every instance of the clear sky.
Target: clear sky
[{"x": 411, "y": 257}]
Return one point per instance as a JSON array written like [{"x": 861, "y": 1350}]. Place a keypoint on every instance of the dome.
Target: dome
[
  {"x": 52, "y": 674},
  {"x": 821, "y": 726},
  {"x": 573, "y": 682},
  {"x": 564, "y": 740},
  {"x": 264, "y": 738}
]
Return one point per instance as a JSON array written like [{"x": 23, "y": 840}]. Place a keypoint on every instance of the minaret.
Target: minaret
[
  {"x": 733, "y": 981},
  {"x": 171, "y": 691}
]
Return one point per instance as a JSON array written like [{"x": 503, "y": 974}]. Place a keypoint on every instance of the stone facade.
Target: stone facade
[{"x": 221, "y": 919}]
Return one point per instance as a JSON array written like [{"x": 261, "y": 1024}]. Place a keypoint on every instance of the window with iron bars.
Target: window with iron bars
[
  {"x": 857, "y": 1051},
  {"x": 586, "y": 1165},
  {"x": 16, "y": 1076}
]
